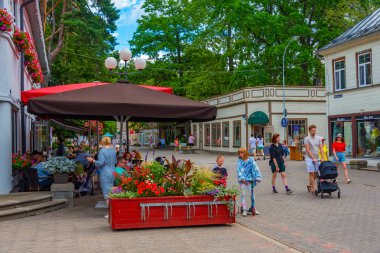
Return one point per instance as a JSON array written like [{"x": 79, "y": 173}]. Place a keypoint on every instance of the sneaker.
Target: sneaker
[
  {"x": 244, "y": 213},
  {"x": 256, "y": 212},
  {"x": 106, "y": 216},
  {"x": 275, "y": 191},
  {"x": 289, "y": 192}
]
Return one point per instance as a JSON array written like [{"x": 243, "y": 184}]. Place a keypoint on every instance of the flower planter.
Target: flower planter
[
  {"x": 171, "y": 211},
  {"x": 61, "y": 178}
]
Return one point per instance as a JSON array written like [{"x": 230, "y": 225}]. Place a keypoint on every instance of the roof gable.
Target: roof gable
[{"x": 368, "y": 25}]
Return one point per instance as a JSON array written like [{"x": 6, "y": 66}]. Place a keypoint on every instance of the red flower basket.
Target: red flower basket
[{"x": 6, "y": 21}]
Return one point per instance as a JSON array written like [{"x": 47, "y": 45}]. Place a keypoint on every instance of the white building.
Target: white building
[
  {"x": 258, "y": 111},
  {"x": 10, "y": 84},
  {"x": 353, "y": 86}
]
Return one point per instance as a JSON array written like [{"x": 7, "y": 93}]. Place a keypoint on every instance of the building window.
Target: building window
[
  {"x": 237, "y": 133},
  {"x": 296, "y": 130},
  {"x": 339, "y": 75},
  {"x": 14, "y": 130},
  {"x": 364, "y": 69},
  {"x": 195, "y": 133},
  {"x": 368, "y": 136},
  {"x": 226, "y": 134},
  {"x": 207, "y": 134},
  {"x": 216, "y": 134}
]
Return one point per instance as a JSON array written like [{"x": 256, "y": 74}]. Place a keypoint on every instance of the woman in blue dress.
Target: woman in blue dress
[{"x": 106, "y": 163}]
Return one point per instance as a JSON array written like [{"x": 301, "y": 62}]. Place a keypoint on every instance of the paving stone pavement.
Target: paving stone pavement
[
  {"x": 349, "y": 224},
  {"x": 84, "y": 229},
  {"x": 310, "y": 224}
]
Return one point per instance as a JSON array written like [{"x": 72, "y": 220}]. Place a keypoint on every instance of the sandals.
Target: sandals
[
  {"x": 309, "y": 188},
  {"x": 348, "y": 181}
]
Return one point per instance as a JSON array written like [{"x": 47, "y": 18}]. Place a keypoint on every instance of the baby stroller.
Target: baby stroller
[
  {"x": 85, "y": 187},
  {"x": 326, "y": 179}
]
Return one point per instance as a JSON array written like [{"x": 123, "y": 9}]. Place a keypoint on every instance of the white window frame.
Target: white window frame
[
  {"x": 337, "y": 78},
  {"x": 365, "y": 66}
]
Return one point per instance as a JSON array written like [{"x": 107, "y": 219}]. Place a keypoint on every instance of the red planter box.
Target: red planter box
[{"x": 173, "y": 211}]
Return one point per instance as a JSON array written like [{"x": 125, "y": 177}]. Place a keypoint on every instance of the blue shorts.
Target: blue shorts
[{"x": 341, "y": 157}]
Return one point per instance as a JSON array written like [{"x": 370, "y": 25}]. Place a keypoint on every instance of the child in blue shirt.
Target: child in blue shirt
[{"x": 249, "y": 176}]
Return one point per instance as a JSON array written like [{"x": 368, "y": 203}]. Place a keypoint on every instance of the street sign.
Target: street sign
[
  {"x": 284, "y": 122},
  {"x": 285, "y": 113}
]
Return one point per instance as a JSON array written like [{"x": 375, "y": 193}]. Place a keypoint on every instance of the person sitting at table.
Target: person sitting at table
[
  {"x": 44, "y": 176},
  {"x": 121, "y": 169},
  {"x": 285, "y": 148},
  {"x": 136, "y": 155},
  {"x": 128, "y": 158}
]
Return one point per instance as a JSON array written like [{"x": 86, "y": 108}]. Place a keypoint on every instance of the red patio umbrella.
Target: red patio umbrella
[{"x": 26, "y": 95}]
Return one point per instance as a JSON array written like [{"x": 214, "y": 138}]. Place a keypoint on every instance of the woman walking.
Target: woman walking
[
  {"x": 277, "y": 163},
  {"x": 260, "y": 147},
  {"x": 339, "y": 149},
  {"x": 106, "y": 163},
  {"x": 249, "y": 176}
]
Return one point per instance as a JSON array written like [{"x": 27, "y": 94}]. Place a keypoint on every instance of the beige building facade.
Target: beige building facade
[
  {"x": 353, "y": 87},
  {"x": 258, "y": 111}
]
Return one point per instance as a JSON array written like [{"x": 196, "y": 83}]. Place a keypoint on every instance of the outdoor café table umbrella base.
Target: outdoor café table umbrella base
[{"x": 170, "y": 211}]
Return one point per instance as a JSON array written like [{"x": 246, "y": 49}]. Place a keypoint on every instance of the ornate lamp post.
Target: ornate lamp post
[{"x": 111, "y": 64}]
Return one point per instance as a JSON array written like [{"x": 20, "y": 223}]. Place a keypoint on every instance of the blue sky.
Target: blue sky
[{"x": 130, "y": 11}]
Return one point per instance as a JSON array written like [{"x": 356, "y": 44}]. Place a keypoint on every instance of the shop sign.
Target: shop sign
[
  {"x": 343, "y": 119},
  {"x": 338, "y": 96},
  {"x": 369, "y": 117}
]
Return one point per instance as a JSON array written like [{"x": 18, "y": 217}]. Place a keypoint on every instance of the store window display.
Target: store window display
[
  {"x": 343, "y": 126},
  {"x": 369, "y": 136}
]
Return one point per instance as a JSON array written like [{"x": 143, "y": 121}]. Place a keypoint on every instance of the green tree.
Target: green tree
[{"x": 78, "y": 38}]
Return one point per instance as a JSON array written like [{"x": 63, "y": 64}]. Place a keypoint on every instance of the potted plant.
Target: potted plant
[
  {"x": 175, "y": 194},
  {"x": 60, "y": 167}
]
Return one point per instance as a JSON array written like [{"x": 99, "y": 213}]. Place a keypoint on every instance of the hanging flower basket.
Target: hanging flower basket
[{"x": 6, "y": 21}]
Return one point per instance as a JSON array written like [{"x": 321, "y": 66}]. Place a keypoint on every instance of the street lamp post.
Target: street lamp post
[
  {"x": 283, "y": 85},
  {"x": 111, "y": 64}
]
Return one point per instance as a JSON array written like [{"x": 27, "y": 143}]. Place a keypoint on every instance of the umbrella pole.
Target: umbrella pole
[
  {"x": 97, "y": 136},
  {"x": 121, "y": 137},
  {"x": 127, "y": 130},
  {"x": 89, "y": 135}
]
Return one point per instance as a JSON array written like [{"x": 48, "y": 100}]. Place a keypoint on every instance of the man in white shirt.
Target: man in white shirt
[
  {"x": 252, "y": 146},
  {"x": 313, "y": 144}
]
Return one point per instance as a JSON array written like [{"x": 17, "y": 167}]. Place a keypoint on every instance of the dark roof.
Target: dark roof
[{"x": 365, "y": 27}]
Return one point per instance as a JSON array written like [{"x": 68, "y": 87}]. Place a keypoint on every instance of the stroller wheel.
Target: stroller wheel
[
  {"x": 316, "y": 193},
  {"x": 330, "y": 194},
  {"x": 322, "y": 195},
  {"x": 338, "y": 194}
]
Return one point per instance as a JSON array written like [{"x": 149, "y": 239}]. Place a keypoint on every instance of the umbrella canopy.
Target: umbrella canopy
[
  {"x": 106, "y": 102},
  {"x": 108, "y": 135},
  {"x": 26, "y": 95}
]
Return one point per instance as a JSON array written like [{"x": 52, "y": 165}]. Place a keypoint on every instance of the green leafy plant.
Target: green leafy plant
[
  {"x": 202, "y": 181},
  {"x": 59, "y": 164},
  {"x": 118, "y": 193}
]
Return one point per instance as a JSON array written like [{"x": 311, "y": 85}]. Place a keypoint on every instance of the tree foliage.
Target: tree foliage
[
  {"x": 207, "y": 47},
  {"x": 78, "y": 39}
]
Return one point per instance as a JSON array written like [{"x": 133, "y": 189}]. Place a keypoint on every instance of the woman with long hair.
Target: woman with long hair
[
  {"x": 339, "y": 149},
  {"x": 277, "y": 163}
]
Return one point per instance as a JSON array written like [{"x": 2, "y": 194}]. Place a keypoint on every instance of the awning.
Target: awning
[
  {"x": 258, "y": 118},
  {"x": 26, "y": 95}
]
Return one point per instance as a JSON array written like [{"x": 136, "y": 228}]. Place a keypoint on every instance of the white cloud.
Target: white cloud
[
  {"x": 115, "y": 34},
  {"x": 120, "y": 4},
  {"x": 131, "y": 14}
]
